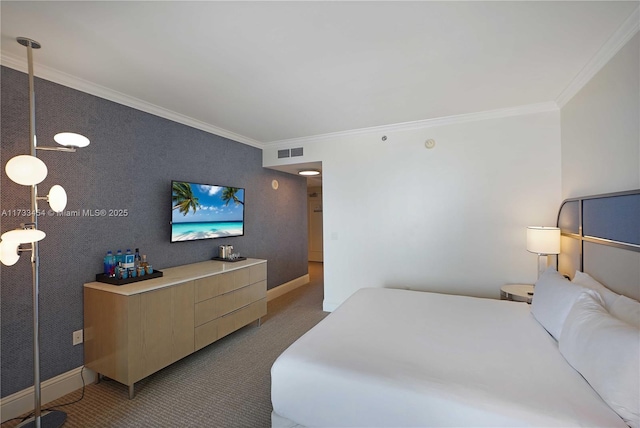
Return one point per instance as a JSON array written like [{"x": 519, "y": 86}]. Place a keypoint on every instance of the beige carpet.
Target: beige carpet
[{"x": 226, "y": 384}]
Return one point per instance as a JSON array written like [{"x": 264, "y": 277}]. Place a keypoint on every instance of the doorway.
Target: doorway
[{"x": 314, "y": 222}]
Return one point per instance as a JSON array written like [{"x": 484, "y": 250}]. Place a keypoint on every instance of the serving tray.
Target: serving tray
[
  {"x": 220, "y": 259},
  {"x": 101, "y": 277}
]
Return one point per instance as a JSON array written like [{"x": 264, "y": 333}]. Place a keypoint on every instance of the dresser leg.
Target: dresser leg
[
  {"x": 98, "y": 378},
  {"x": 132, "y": 392},
  {"x": 259, "y": 321}
]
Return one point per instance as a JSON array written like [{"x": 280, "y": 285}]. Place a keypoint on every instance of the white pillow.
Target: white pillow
[
  {"x": 586, "y": 280},
  {"x": 627, "y": 310},
  {"x": 606, "y": 352},
  {"x": 552, "y": 300}
]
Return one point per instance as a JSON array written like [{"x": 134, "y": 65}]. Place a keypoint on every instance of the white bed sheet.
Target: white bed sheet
[{"x": 398, "y": 358}]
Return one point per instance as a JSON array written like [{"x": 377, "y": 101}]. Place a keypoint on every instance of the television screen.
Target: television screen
[{"x": 204, "y": 211}]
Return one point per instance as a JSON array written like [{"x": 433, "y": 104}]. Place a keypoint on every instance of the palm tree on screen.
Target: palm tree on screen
[
  {"x": 229, "y": 194},
  {"x": 183, "y": 198}
]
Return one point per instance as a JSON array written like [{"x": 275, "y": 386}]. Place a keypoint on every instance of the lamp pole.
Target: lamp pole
[
  {"x": 54, "y": 418},
  {"x": 35, "y": 256}
]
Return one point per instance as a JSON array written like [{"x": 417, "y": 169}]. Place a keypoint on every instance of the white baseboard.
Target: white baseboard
[
  {"x": 286, "y": 287},
  {"x": 21, "y": 402},
  {"x": 329, "y": 306}
]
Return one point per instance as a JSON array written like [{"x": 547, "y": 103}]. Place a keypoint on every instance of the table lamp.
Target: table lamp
[{"x": 543, "y": 241}]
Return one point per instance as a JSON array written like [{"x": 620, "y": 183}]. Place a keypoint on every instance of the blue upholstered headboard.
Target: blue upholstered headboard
[{"x": 601, "y": 236}]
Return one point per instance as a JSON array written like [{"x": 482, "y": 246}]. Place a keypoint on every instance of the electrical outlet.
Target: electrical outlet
[{"x": 77, "y": 337}]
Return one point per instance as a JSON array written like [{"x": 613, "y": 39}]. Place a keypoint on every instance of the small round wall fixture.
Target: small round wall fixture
[
  {"x": 274, "y": 184},
  {"x": 430, "y": 143},
  {"x": 309, "y": 172}
]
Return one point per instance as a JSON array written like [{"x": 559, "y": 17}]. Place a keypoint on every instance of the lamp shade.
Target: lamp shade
[
  {"x": 71, "y": 139},
  {"x": 26, "y": 170},
  {"x": 543, "y": 240},
  {"x": 23, "y": 236},
  {"x": 9, "y": 252},
  {"x": 57, "y": 198}
]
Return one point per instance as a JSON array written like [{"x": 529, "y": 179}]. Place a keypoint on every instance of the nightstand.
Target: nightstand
[{"x": 517, "y": 292}]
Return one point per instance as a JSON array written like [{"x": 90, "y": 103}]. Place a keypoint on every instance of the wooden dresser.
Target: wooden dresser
[{"x": 134, "y": 330}]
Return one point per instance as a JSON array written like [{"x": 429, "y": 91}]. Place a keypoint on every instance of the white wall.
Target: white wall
[
  {"x": 451, "y": 219},
  {"x": 601, "y": 129}
]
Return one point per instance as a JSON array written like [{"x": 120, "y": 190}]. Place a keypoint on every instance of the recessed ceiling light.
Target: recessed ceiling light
[{"x": 309, "y": 172}]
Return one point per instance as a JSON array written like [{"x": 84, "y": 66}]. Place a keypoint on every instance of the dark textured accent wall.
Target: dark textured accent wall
[{"x": 129, "y": 165}]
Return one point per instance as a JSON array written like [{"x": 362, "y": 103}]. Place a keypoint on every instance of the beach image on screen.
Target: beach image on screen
[{"x": 202, "y": 211}]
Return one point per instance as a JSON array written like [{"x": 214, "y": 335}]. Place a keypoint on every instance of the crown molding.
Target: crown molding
[
  {"x": 48, "y": 73},
  {"x": 618, "y": 39},
  {"x": 70, "y": 81},
  {"x": 420, "y": 124}
]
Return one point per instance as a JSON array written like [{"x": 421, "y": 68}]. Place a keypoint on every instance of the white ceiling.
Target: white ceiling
[{"x": 263, "y": 72}]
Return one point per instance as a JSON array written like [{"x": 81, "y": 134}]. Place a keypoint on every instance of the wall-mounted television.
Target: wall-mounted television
[{"x": 205, "y": 211}]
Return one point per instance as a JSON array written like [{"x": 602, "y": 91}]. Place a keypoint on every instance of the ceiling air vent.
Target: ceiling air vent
[
  {"x": 283, "y": 153},
  {"x": 296, "y": 152}
]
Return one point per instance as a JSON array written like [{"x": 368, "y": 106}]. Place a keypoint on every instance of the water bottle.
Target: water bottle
[
  {"x": 109, "y": 264},
  {"x": 119, "y": 258},
  {"x": 128, "y": 259}
]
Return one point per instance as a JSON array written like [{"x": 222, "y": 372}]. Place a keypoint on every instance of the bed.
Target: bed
[{"x": 400, "y": 358}]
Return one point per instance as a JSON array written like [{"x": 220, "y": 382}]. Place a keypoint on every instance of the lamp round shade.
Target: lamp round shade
[
  {"x": 23, "y": 236},
  {"x": 9, "y": 252},
  {"x": 71, "y": 139},
  {"x": 543, "y": 240},
  {"x": 57, "y": 198},
  {"x": 26, "y": 170}
]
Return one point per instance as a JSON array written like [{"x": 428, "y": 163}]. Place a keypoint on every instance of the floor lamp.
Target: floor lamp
[
  {"x": 28, "y": 170},
  {"x": 543, "y": 241}
]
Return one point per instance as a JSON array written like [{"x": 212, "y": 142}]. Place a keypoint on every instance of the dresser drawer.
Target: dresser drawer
[
  {"x": 215, "y": 285},
  {"x": 206, "y": 334},
  {"x": 213, "y": 330},
  {"x": 218, "y": 306},
  {"x": 206, "y": 288},
  {"x": 238, "y": 279},
  {"x": 257, "y": 273},
  {"x": 235, "y": 320}
]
